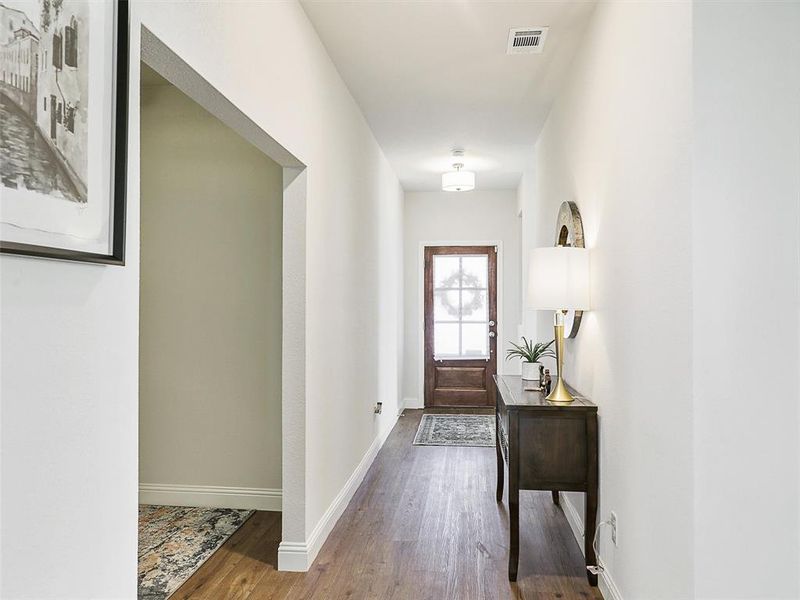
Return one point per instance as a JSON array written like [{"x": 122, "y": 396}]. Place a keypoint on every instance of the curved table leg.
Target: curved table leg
[
  {"x": 513, "y": 495},
  {"x": 500, "y": 465}
]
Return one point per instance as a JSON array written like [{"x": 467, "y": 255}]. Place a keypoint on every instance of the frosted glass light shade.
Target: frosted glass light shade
[
  {"x": 458, "y": 181},
  {"x": 558, "y": 278}
]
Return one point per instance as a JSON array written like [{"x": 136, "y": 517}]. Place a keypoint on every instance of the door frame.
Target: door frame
[
  {"x": 421, "y": 308},
  {"x": 161, "y": 58}
]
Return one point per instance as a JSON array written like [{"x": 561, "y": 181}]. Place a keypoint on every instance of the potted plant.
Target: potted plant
[{"x": 531, "y": 355}]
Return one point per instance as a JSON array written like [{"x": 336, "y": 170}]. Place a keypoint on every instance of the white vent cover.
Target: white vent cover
[{"x": 526, "y": 40}]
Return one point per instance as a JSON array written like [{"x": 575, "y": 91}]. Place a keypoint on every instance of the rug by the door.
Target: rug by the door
[
  {"x": 175, "y": 540},
  {"x": 455, "y": 430}
]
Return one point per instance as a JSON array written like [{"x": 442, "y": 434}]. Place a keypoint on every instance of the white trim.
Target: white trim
[
  {"x": 574, "y": 519},
  {"x": 299, "y": 556},
  {"x": 293, "y": 354},
  {"x": 421, "y": 307},
  {"x": 293, "y": 556},
  {"x": 413, "y": 403},
  {"x": 608, "y": 588},
  {"x": 210, "y": 496},
  {"x": 606, "y": 583}
]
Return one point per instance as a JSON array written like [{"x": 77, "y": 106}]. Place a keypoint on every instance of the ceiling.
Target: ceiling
[{"x": 431, "y": 76}]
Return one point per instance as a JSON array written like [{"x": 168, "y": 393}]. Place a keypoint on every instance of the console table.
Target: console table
[{"x": 545, "y": 447}]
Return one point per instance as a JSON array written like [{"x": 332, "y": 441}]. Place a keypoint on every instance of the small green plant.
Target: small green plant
[{"x": 530, "y": 352}]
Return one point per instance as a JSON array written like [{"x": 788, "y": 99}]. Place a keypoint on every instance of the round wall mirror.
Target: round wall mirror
[{"x": 569, "y": 232}]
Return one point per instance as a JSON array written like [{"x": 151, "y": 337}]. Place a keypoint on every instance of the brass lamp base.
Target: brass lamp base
[{"x": 560, "y": 394}]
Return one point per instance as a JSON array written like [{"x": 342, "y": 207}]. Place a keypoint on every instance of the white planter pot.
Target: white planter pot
[{"x": 530, "y": 371}]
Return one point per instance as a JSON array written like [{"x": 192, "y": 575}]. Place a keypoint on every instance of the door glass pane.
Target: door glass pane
[
  {"x": 461, "y": 306},
  {"x": 475, "y": 271},
  {"x": 446, "y": 271},
  {"x": 445, "y": 339},
  {"x": 474, "y": 339},
  {"x": 445, "y": 305},
  {"x": 474, "y": 306}
]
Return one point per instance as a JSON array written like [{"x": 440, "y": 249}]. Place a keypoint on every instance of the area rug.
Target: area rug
[
  {"x": 455, "y": 430},
  {"x": 175, "y": 540}
]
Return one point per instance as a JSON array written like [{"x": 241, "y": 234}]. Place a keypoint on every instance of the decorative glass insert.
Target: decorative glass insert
[{"x": 460, "y": 306}]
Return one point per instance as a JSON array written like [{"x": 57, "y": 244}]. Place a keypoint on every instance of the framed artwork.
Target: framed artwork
[{"x": 63, "y": 128}]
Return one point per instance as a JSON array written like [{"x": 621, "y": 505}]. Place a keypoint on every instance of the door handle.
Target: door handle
[
  {"x": 491, "y": 323},
  {"x": 491, "y": 334}
]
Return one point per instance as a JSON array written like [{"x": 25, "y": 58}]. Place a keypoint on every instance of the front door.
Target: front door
[{"x": 460, "y": 325}]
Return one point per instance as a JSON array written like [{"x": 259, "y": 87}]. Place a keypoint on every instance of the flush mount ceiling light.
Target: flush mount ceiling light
[{"x": 458, "y": 180}]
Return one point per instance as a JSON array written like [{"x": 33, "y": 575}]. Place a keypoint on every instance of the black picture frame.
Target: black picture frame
[{"x": 119, "y": 164}]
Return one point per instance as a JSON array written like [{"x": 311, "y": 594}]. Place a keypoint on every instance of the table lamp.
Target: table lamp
[{"x": 558, "y": 280}]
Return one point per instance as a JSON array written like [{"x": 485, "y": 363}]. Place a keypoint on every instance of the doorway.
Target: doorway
[
  {"x": 258, "y": 275},
  {"x": 460, "y": 326},
  {"x": 210, "y": 320}
]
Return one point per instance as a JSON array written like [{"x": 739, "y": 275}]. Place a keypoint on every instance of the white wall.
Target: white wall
[
  {"x": 69, "y": 442},
  {"x": 483, "y": 216},
  {"x": 617, "y": 142},
  {"x": 529, "y": 219},
  {"x": 745, "y": 219},
  {"x": 69, "y": 362},
  {"x": 210, "y": 309},
  {"x": 691, "y": 349}
]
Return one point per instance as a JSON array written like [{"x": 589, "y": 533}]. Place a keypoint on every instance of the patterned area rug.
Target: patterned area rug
[
  {"x": 175, "y": 540},
  {"x": 455, "y": 430}
]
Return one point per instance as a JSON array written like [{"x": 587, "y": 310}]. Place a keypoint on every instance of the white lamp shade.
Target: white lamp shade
[
  {"x": 458, "y": 181},
  {"x": 558, "y": 278}
]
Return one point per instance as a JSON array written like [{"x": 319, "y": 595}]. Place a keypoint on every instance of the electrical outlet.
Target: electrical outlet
[{"x": 614, "y": 532}]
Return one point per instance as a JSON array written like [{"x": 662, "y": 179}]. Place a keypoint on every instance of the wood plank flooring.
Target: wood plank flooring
[{"x": 423, "y": 525}]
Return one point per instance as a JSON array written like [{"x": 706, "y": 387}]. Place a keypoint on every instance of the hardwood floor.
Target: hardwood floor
[{"x": 423, "y": 525}]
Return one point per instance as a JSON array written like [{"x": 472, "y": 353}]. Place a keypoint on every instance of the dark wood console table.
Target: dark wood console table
[{"x": 545, "y": 447}]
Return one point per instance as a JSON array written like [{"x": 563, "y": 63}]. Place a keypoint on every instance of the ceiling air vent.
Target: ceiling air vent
[{"x": 526, "y": 40}]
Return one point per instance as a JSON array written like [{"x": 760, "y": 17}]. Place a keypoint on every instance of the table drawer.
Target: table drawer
[{"x": 556, "y": 452}]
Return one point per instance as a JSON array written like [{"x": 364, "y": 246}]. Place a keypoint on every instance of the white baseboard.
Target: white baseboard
[
  {"x": 607, "y": 585},
  {"x": 293, "y": 556},
  {"x": 574, "y": 519},
  {"x": 605, "y": 582},
  {"x": 299, "y": 556},
  {"x": 210, "y": 495},
  {"x": 413, "y": 403}
]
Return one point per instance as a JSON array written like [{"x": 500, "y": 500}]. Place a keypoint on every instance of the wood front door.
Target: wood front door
[{"x": 460, "y": 325}]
